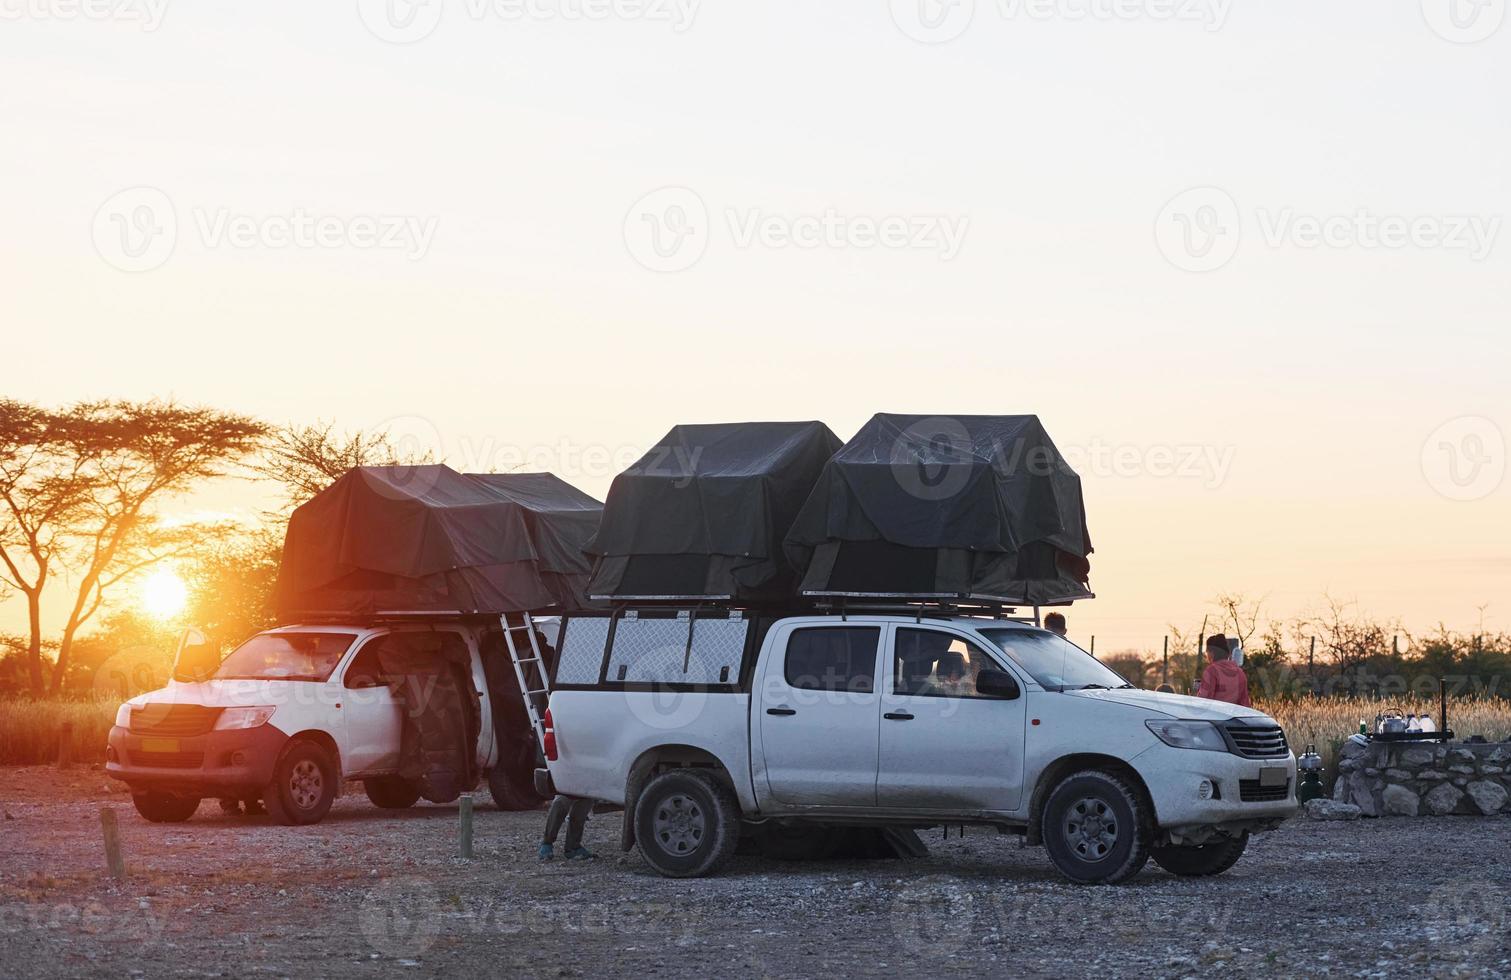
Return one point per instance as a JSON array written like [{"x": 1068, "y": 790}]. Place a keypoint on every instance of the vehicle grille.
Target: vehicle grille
[
  {"x": 1257, "y": 741},
  {"x": 169, "y": 760},
  {"x": 1249, "y": 791},
  {"x": 173, "y": 719}
]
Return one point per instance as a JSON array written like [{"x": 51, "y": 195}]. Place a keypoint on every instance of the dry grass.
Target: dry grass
[
  {"x": 1326, "y": 722},
  {"x": 29, "y": 729}
]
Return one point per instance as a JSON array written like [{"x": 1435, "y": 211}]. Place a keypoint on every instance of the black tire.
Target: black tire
[
  {"x": 303, "y": 785},
  {"x": 1096, "y": 828},
  {"x": 1212, "y": 858},
  {"x": 163, "y": 808},
  {"x": 391, "y": 792},
  {"x": 514, "y": 789},
  {"x": 797, "y": 842},
  {"x": 687, "y": 823}
]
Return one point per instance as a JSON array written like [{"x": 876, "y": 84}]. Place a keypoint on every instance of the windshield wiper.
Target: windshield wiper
[{"x": 1093, "y": 687}]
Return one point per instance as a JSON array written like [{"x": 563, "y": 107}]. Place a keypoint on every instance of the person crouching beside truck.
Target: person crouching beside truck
[{"x": 1223, "y": 680}]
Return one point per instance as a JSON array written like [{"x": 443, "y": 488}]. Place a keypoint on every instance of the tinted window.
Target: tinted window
[
  {"x": 934, "y": 664},
  {"x": 838, "y": 658}
]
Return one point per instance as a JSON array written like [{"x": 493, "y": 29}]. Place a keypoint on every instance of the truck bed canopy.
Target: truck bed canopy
[
  {"x": 430, "y": 539},
  {"x": 952, "y": 507},
  {"x": 702, "y": 515}
]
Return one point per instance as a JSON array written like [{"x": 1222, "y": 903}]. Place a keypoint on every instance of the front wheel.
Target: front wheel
[
  {"x": 163, "y": 808},
  {"x": 1096, "y": 828},
  {"x": 303, "y": 786},
  {"x": 1211, "y": 858},
  {"x": 687, "y": 823}
]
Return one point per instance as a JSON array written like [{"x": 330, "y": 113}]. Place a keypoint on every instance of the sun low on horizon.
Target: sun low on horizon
[{"x": 163, "y": 594}]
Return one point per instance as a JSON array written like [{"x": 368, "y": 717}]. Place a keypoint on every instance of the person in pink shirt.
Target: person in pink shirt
[{"x": 1223, "y": 680}]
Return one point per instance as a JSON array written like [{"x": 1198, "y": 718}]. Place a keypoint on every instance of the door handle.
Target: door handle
[
  {"x": 781, "y": 711},
  {"x": 897, "y": 716}
]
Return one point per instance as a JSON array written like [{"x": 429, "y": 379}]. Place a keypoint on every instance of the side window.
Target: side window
[
  {"x": 833, "y": 658},
  {"x": 364, "y": 671},
  {"x": 934, "y": 664}
]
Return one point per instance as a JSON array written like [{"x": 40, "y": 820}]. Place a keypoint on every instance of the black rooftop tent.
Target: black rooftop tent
[
  {"x": 429, "y": 539},
  {"x": 968, "y": 507},
  {"x": 702, "y": 515}
]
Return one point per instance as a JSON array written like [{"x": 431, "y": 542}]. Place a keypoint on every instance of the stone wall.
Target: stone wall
[{"x": 1386, "y": 779}]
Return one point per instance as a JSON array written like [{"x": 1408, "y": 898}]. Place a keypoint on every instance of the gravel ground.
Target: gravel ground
[{"x": 368, "y": 892}]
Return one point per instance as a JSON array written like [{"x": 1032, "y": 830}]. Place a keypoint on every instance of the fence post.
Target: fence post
[
  {"x": 65, "y": 745},
  {"x": 113, "y": 859},
  {"x": 464, "y": 829},
  {"x": 1165, "y": 665}
]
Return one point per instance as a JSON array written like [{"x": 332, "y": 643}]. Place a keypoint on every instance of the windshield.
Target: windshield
[
  {"x": 1055, "y": 662},
  {"x": 287, "y": 657}
]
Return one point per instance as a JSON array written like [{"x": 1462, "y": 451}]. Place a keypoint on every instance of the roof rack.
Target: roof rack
[{"x": 919, "y": 606}]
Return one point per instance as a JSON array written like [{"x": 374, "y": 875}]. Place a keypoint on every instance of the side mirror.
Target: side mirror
[
  {"x": 997, "y": 684},
  {"x": 197, "y": 657}
]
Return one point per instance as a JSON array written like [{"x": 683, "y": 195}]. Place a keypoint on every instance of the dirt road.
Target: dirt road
[{"x": 369, "y": 892}]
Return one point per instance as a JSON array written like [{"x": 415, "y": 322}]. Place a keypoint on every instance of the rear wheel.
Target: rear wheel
[
  {"x": 1211, "y": 858},
  {"x": 391, "y": 792},
  {"x": 303, "y": 786},
  {"x": 1096, "y": 828},
  {"x": 687, "y": 823},
  {"x": 513, "y": 788},
  {"x": 163, "y": 808}
]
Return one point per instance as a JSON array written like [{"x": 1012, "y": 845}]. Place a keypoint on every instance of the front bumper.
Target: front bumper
[
  {"x": 1240, "y": 801},
  {"x": 228, "y": 763}
]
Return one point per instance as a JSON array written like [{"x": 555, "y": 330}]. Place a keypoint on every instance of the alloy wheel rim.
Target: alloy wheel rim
[
  {"x": 306, "y": 783},
  {"x": 680, "y": 824},
  {"x": 1091, "y": 829}
]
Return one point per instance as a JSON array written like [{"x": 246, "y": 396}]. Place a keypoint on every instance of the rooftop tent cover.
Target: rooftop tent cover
[
  {"x": 968, "y": 506},
  {"x": 430, "y": 539},
  {"x": 702, "y": 515}
]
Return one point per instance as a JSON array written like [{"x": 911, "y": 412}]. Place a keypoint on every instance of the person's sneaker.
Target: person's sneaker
[
  {"x": 545, "y": 852},
  {"x": 579, "y": 854}
]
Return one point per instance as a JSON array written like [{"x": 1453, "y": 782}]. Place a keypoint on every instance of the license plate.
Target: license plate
[
  {"x": 159, "y": 745},
  {"x": 1272, "y": 776}
]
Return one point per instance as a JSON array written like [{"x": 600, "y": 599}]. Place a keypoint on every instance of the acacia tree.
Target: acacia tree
[
  {"x": 306, "y": 459},
  {"x": 80, "y": 486}
]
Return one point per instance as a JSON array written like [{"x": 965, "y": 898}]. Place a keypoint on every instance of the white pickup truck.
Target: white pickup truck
[
  {"x": 294, "y": 711},
  {"x": 710, "y": 726}
]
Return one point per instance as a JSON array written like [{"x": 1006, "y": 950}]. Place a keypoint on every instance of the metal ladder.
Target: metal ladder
[{"x": 522, "y": 672}]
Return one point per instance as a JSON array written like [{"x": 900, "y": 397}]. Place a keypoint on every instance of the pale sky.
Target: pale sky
[{"x": 1265, "y": 237}]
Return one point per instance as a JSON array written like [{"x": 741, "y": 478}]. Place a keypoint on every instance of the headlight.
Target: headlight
[
  {"x": 123, "y": 715},
  {"x": 244, "y": 717},
  {"x": 1189, "y": 735}
]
